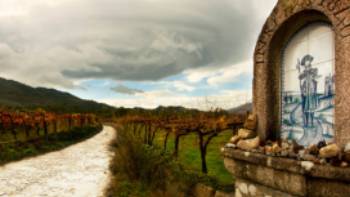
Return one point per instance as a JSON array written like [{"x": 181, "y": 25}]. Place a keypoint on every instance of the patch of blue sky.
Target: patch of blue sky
[
  {"x": 102, "y": 88},
  {"x": 203, "y": 91},
  {"x": 243, "y": 82},
  {"x": 98, "y": 89},
  {"x": 94, "y": 89}
]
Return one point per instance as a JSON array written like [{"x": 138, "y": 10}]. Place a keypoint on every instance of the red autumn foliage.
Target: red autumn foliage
[{"x": 16, "y": 122}]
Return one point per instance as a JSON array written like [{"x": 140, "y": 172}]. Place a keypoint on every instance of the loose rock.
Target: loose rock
[
  {"x": 344, "y": 164},
  {"x": 276, "y": 148},
  {"x": 250, "y": 122},
  {"x": 347, "y": 147},
  {"x": 301, "y": 154},
  {"x": 323, "y": 161},
  {"x": 285, "y": 145},
  {"x": 230, "y": 145},
  {"x": 268, "y": 150},
  {"x": 246, "y": 133},
  {"x": 234, "y": 139},
  {"x": 309, "y": 157},
  {"x": 329, "y": 151},
  {"x": 261, "y": 149},
  {"x": 286, "y": 148},
  {"x": 296, "y": 147},
  {"x": 321, "y": 144},
  {"x": 249, "y": 144},
  {"x": 307, "y": 165},
  {"x": 313, "y": 149}
]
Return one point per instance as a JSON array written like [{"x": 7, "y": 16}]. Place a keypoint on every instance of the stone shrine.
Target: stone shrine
[
  {"x": 301, "y": 105},
  {"x": 302, "y": 71}
]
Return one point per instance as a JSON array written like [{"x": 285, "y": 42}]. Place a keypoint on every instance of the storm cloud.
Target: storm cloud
[
  {"x": 131, "y": 53},
  {"x": 132, "y": 40}
]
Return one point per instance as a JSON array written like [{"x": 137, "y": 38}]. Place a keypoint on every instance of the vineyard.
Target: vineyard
[
  {"x": 27, "y": 126},
  {"x": 193, "y": 142}
]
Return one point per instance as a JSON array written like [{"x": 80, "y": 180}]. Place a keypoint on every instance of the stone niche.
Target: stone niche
[
  {"x": 301, "y": 92},
  {"x": 302, "y": 72}
]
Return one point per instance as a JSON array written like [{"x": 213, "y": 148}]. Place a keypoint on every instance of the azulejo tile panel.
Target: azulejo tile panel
[{"x": 308, "y": 88}]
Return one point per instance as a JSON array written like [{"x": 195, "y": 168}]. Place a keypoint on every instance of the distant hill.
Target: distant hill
[
  {"x": 17, "y": 95},
  {"x": 242, "y": 109}
]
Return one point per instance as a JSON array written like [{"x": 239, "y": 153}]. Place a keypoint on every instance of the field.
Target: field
[{"x": 189, "y": 154}]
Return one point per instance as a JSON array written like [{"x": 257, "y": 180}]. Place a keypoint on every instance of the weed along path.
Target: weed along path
[{"x": 80, "y": 170}]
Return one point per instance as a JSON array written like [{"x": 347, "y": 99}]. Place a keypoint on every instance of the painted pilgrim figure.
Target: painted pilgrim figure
[{"x": 308, "y": 89}]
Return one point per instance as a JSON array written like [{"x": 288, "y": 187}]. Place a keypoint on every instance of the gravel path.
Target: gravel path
[{"x": 79, "y": 170}]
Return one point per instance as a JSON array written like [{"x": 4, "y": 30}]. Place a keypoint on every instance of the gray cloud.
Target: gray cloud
[
  {"x": 57, "y": 43},
  {"x": 126, "y": 90}
]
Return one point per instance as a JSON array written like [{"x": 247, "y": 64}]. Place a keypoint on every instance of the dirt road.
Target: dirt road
[{"x": 79, "y": 170}]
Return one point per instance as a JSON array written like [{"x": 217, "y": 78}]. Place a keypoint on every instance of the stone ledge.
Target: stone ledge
[
  {"x": 290, "y": 165},
  {"x": 247, "y": 188},
  {"x": 292, "y": 183}
]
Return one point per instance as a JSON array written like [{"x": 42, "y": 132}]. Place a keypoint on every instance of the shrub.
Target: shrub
[
  {"x": 139, "y": 162},
  {"x": 140, "y": 169}
]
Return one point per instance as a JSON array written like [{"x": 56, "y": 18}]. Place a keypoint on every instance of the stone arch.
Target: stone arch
[{"x": 287, "y": 18}]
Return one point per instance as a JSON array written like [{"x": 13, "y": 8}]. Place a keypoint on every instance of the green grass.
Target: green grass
[{"x": 189, "y": 154}]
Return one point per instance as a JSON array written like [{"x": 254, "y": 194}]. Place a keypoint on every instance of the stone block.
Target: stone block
[
  {"x": 280, "y": 180},
  {"x": 329, "y": 151},
  {"x": 245, "y": 188},
  {"x": 326, "y": 188}
]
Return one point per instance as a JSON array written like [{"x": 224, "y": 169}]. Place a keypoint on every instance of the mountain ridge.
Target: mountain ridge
[
  {"x": 241, "y": 109},
  {"x": 14, "y": 94}
]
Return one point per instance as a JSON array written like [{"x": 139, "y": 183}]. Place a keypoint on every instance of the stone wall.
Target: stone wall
[
  {"x": 257, "y": 174},
  {"x": 286, "y": 19}
]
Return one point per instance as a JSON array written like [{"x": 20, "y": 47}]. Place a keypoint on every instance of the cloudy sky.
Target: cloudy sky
[{"x": 194, "y": 53}]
